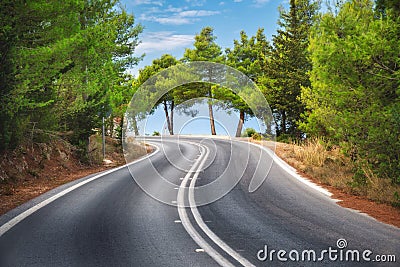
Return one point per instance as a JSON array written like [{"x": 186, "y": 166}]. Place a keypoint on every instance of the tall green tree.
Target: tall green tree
[
  {"x": 168, "y": 100},
  {"x": 9, "y": 14},
  {"x": 289, "y": 65},
  {"x": 249, "y": 56},
  {"x": 206, "y": 49},
  {"x": 64, "y": 59},
  {"x": 38, "y": 35},
  {"x": 355, "y": 98},
  {"x": 103, "y": 51}
]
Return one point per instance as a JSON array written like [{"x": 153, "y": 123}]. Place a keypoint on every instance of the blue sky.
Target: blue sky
[{"x": 170, "y": 26}]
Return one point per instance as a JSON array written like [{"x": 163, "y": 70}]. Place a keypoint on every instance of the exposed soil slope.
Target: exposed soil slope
[{"x": 34, "y": 168}]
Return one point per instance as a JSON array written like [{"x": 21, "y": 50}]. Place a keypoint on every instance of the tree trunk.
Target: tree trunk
[
  {"x": 269, "y": 128},
  {"x": 211, "y": 113},
  {"x": 167, "y": 116},
  {"x": 210, "y": 107},
  {"x": 110, "y": 127},
  {"x": 172, "y": 117},
  {"x": 135, "y": 128},
  {"x": 283, "y": 126},
  {"x": 240, "y": 124}
]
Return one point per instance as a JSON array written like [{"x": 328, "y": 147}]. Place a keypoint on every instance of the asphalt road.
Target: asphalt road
[{"x": 109, "y": 219}]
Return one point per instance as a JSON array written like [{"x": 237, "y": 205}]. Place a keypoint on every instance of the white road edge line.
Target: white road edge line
[
  {"x": 204, "y": 227},
  {"x": 14, "y": 221},
  {"x": 189, "y": 227},
  {"x": 290, "y": 170}
]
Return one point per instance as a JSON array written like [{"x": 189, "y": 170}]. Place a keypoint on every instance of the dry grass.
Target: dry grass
[
  {"x": 312, "y": 153},
  {"x": 134, "y": 149},
  {"x": 331, "y": 167},
  {"x": 377, "y": 189}
]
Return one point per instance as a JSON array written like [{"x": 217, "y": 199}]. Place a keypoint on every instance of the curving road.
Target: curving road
[{"x": 108, "y": 220}]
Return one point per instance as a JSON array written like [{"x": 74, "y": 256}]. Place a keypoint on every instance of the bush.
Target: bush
[
  {"x": 284, "y": 138},
  {"x": 256, "y": 136},
  {"x": 249, "y": 132}
]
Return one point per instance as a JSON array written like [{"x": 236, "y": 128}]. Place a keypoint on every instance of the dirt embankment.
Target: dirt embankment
[{"x": 34, "y": 168}]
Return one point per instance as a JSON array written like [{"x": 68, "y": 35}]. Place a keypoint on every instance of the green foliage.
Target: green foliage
[
  {"x": 206, "y": 49},
  {"x": 289, "y": 66},
  {"x": 396, "y": 202},
  {"x": 62, "y": 65},
  {"x": 155, "y": 133},
  {"x": 168, "y": 100},
  {"x": 354, "y": 99},
  {"x": 285, "y": 138},
  {"x": 383, "y": 7},
  {"x": 249, "y": 132},
  {"x": 249, "y": 56},
  {"x": 257, "y": 136}
]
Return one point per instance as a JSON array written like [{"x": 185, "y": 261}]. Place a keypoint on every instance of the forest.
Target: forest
[{"x": 331, "y": 74}]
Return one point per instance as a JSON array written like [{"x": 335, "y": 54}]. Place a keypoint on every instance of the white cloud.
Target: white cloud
[
  {"x": 163, "y": 41},
  {"x": 237, "y": 1},
  {"x": 197, "y": 13},
  {"x": 259, "y": 3},
  {"x": 196, "y": 2},
  {"x": 177, "y": 18},
  {"x": 172, "y": 20},
  {"x": 221, "y": 3},
  {"x": 148, "y": 2},
  {"x": 174, "y": 9}
]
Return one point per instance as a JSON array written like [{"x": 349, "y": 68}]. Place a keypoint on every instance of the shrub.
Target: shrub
[
  {"x": 256, "y": 136},
  {"x": 249, "y": 132}
]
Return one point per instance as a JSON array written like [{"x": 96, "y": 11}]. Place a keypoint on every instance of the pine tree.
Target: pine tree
[
  {"x": 61, "y": 63},
  {"x": 167, "y": 101},
  {"x": 206, "y": 49},
  {"x": 354, "y": 99},
  {"x": 289, "y": 66},
  {"x": 248, "y": 56}
]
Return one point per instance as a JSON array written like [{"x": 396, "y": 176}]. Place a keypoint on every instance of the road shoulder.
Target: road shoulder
[{"x": 380, "y": 211}]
